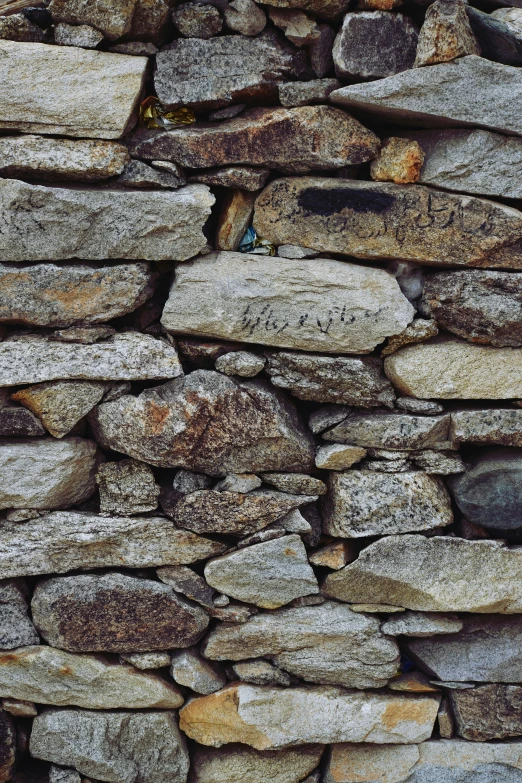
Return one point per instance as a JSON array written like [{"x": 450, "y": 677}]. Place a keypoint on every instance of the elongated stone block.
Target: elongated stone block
[{"x": 241, "y": 764}]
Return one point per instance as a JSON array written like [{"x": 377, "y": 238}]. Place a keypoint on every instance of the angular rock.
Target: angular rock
[
  {"x": 242, "y": 363},
  {"x": 497, "y": 426},
  {"x": 268, "y": 575},
  {"x": 495, "y": 39},
  {"x": 298, "y": 483},
  {"x": 422, "y": 624},
  {"x": 349, "y": 380},
  {"x": 512, "y": 18},
  {"x": 245, "y": 17},
  {"x": 290, "y": 140},
  {"x": 241, "y": 764},
  {"x": 487, "y": 712},
  {"x": 52, "y": 295},
  {"x": 234, "y": 219},
  {"x": 324, "y": 9},
  {"x": 299, "y": 28},
  {"x": 113, "y": 21},
  {"x": 120, "y": 747},
  {"x": 191, "y": 670},
  {"x": 149, "y": 19},
  {"x": 336, "y": 456},
  {"x": 383, "y": 430},
  {"x": 428, "y": 574},
  {"x": 446, "y": 34},
  {"x": 418, "y": 331},
  {"x": 296, "y": 251},
  {"x": 243, "y": 177},
  {"x": 362, "y": 503},
  {"x": 207, "y": 74},
  {"x": 454, "y": 369},
  {"x": 326, "y": 305},
  {"x": 16, "y": 629},
  {"x": 126, "y": 488},
  {"x": 400, "y": 161},
  {"x": 445, "y": 719},
  {"x": 82, "y": 35},
  {"x": 67, "y": 541},
  {"x": 438, "y": 462},
  {"x": 148, "y": 660},
  {"x": 137, "y": 174},
  {"x": 17, "y": 28},
  {"x": 327, "y": 644},
  {"x": 252, "y": 715},
  {"x": 194, "y": 20},
  {"x": 68, "y": 91},
  {"x": 320, "y": 51},
  {"x": 358, "y": 219},
  {"x": 413, "y": 682},
  {"x": 134, "y": 48},
  {"x": 18, "y": 422},
  {"x": 49, "y": 224},
  {"x": 327, "y": 416},
  {"x": 20, "y": 708},
  {"x": 422, "y": 407},
  {"x": 114, "y": 613},
  {"x": 335, "y": 555},
  {"x": 63, "y": 775},
  {"x": 187, "y": 582},
  {"x": 374, "y": 44},
  {"x": 436, "y": 96},
  {"x": 7, "y": 746},
  {"x": 49, "y": 676},
  {"x": 481, "y": 306},
  {"x": 61, "y": 404},
  {"x": 306, "y": 93},
  {"x": 239, "y": 482},
  {"x": 259, "y": 672}
]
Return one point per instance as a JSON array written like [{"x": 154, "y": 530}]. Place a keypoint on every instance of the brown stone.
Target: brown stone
[
  {"x": 335, "y": 555},
  {"x": 299, "y": 28},
  {"x": 400, "y": 161},
  {"x": 324, "y": 9},
  {"x": 7, "y": 746},
  {"x": 446, "y": 34},
  {"x": 492, "y": 711},
  {"x": 417, "y": 332},
  {"x": 242, "y": 177},
  {"x": 112, "y": 19},
  {"x": 234, "y": 219}
]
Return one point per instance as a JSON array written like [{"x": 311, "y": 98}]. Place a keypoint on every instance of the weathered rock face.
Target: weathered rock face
[
  {"x": 291, "y": 140},
  {"x": 252, "y": 715},
  {"x": 422, "y": 624},
  {"x": 126, "y": 488},
  {"x": 120, "y": 747},
  {"x": 439, "y": 574},
  {"x": 192, "y": 423},
  {"x": 324, "y": 306},
  {"x": 7, "y": 746},
  {"x": 67, "y": 540},
  {"x": 190, "y": 669},
  {"x": 49, "y": 224},
  {"x": 68, "y": 91},
  {"x": 495, "y": 39},
  {"x": 114, "y": 613},
  {"x": 383, "y": 430},
  {"x": 446, "y": 34},
  {"x": 113, "y": 21},
  {"x": 487, "y": 712},
  {"x": 359, "y": 219},
  {"x": 329, "y": 9},
  {"x": 16, "y": 629},
  {"x": 237, "y": 763},
  {"x": 498, "y": 426},
  {"x": 327, "y": 644},
  {"x": 361, "y": 503}
]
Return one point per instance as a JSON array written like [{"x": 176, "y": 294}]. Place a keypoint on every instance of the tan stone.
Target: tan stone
[
  {"x": 241, "y": 764},
  {"x": 446, "y": 34},
  {"x": 399, "y": 160},
  {"x": 417, "y": 332},
  {"x": 335, "y": 555},
  {"x": 299, "y": 28},
  {"x": 337, "y": 456},
  {"x": 234, "y": 219},
  {"x": 412, "y": 682}
]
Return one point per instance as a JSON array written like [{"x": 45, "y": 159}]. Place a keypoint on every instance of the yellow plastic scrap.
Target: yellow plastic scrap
[{"x": 154, "y": 116}]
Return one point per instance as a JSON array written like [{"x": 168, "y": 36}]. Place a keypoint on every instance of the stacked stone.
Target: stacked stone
[{"x": 260, "y": 392}]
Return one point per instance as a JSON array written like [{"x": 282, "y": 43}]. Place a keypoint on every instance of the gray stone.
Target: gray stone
[
  {"x": 150, "y": 20},
  {"x": 399, "y": 465},
  {"x": 512, "y": 18},
  {"x": 242, "y": 363},
  {"x": 445, "y": 719},
  {"x": 185, "y": 482},
  {"x": 268, "y": 534},
  {"x": 147, "y": 660},
  {"x": 327, "y": 644},
  {"x": 501, "y": 427},
  {"x": 327, "y": 416},
  {"x": 185, "y": 581},
  {"x": 487, "y": 712},
  {"x": 438, "y": 462},
  {"x": 137, "y": 174},
  {"x": 240, "y": 177},
  {"x": 63, "y": 775},
  {"x": 135, "y": 48},
  {"x": 19, "y": 422},
  {"x": 85, "y": 335},
  {"x": 374, "y": 44},
  {"x": 297, "y": 483},
  {"x": 16, "y": 629},
  {"x": 49, "y": 676},
  {"x": 114, "y": 613},
  {"x": 82, "y": 35},
  {"x": 227, "y": 113},
  {"x": 68, "y": 541},
  {"x": 239, "y": 482},
  {"x": 423, "y": 624},
  {"x": 245, "y": 17},
  {"x": 19, "y": 708},
  {"x": 428, "y": 574},
  {"x": 191, "y": 670},
  {"x": 320, "y": 51},
  {"x": 420, "y": 330},
  {"x": 328, "y": 306},
  {"x": 17, "y": 28},
  {"x": 194, "y": 20},
  {"x": 495, "y": 39},
  {"x": 268, "y": 575},
  {"x": 241, "y": 764},
  {"x": 118, "y": 747},
  {"x": 306, "y": 93},
  {"x": 383, "y": 430},
  {"x": 68, "y": 91},
  {"x": 362, "y": 503},
  {"x": 48, "y": 224},
  {"x": 295, "y": 251},
  {"x": 422, "y": 407},
  {"x": 294, "y": 522},
  {"x": 126, "y": 488},
  {"x": 113, "y": 21},
  {"x": 446, "y": 34},
  {"x": 335, "y": 379},
  {"x": 8, "y": 752},
  {"x": 259, "y": 672}
]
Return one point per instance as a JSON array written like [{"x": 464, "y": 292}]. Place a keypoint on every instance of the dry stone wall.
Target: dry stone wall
[{"x": 260, "y": 391}]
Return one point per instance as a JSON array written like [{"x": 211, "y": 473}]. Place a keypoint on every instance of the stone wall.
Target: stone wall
[{"x": 260, "y": 391}]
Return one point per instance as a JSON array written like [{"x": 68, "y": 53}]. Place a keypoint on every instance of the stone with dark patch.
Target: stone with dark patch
[
  {"x": 7, "y": 746},
  {"x": 492, "y": 711},
  {"x": 495, "y": 39}
]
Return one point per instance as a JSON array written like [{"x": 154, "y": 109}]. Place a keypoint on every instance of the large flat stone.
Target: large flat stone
[
  {"x": 323, "y": 305},
  {"x": 488, "y": 712},
  {"x": 252, "y": 715},
  {"x": 209, "y": 423},
  {"x": 360, "y": 219},
  {"x": 327, "y": 644},
  {"x": 384, "y": 430},
  {"x": 439, "y": 574},
  {"x": 437, "y": 96},
  {"x": 114, "y": 613},
  {"x": 241, "y": 764},
  {"x": 68, "y": 540},
  {"x": 54, "y": 224},
  {"x": 68, "y": 91},
  {"x": 49, "y": 676},
  {"x": 16, "y": 629}
]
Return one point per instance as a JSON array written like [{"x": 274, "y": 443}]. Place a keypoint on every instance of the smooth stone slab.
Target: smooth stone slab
[
  {"x": 449, "y": 368},
  {"x": 123, "y": 357},
  {"x": 327, "y": 644},
  {"x": 384, "y": 430},
  {"x": 438, "y": 96},
  {"x": 54, "y": 224},
  {"x": 241, "y": 764},
  {"x": 360, "y": 219},
  {"x": 68, "y": 91},
  {"x": 487, "y": 712},
  {"x": 324, "y": 305},
  {"x": 362, "y": 503},
  {"x": 252, "y": 714},
  {"x": 439, "y": 574},
  {"x": 70, "y": 540},
  {"x": 49, "y": 676},
  {"x": 501, "y": 427},
  {"x": 16, "y": 629}
]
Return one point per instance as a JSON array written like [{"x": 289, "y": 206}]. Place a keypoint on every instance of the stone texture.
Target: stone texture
[
  {"x": 17, "y": 28},
  {"x": 400, "y": 160},
  {"x": 191, "y": 670},
  {"x": 204, "y": 74},
  {"x": 327, "y": 416},
  {"x": 194, "y": 20},
  {"x": 114, "y": 613},
  {"x": 19, "y": 708},
  {"x": 50, "y": 224},
  {"x": 320, "y": 51},
  {"x": 374, "y": 44},
  {"x": 242, "y": 363},
  {"x": 495, "y": 39},
  {"x": 336, "y": 379},
  {"x": 259, "y": 672},
  {"x": 454, "y": 369},
  {"x": 334, "y": 555},
  {"x": 112, "y": 20},
  {"x": 192, "y": 423},
  {"x": 446, "y": 34},
  {"x": 337, "y": 456},
  {"x": 16, "y": 629},
  {"x": 423, "y": 624},
  {"x": 187, "y": 582},
  {"x": 361, "y": 503},
  {"x": 306, "y": 93},
  {"x": 82, "y": 35},
  {"x": 298, "y": 483},
  {"x": 137, "y": 174},
  {"x": 239, "y": 482},
  {"x": 68, "y": 91},
  {"x": 290, "y": 140},
  {"x": 481, "y": 306},
  {"x": 7, "y": 746},
  {"x": 438, "y": 462},
  {"x": 436, "y": 96},
  {"x": 289, "y": 305},
  {"x": 498, "y": 426},
  {"x": 360, "y": 219},
  {"x": 422, "y": 407},
  {"x": 384, "y": 430},
  {"x": 18, "y": 422},
  {"x": 512, "y": 18},
  {"x": 241, "y": 764},
  {"x": 65, "y": 294},
  {"x": 327, "y": 644},
  {"x": 234, "y": 219},
  {"x": 324, "y": 9},
  {"x": 418, "y": 331},
  {"x": 487, "y": 712},
  {"x": 67, "y": 541},
  {"x": 413, "y": 682},
  {"x": 126, "y": 488},
  {"x": 245, "y": 17},
  {"x": 439, "y": 574},
  {"x": 252, "y": 715},
  {"x": 268, "y": 575},
  {"x": 119, "y": 747},
  {"x": 149, "y": 19},
  {"x": 243, "y": 177},
  {"x": 147, "y": 660},
  {"x": 299, "y": 28},
  {"x": 49, "y": 676}
]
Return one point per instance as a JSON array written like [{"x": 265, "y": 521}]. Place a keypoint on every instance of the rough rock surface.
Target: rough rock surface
[
  {"x": 400, "y": 160},
  {"x": 393, "y": 431},
  {"x": 243, "y": 177},
  {"x": 288, "y": 305},
  {"x": 487, "y": 712},
  {"x": 307, "y": 93},
  {"x": 188, "y": 583},
  {"x": 495, "y": 39},
  {"x": 446, "y": 34},
  {"x": 113, "y": 21},
  {"x": 126, "y": 488},
  {"x": 337, "y": 456},
  {"x": 194, "y": 20},
  {"x": 16, "y": 629},
  {"x": 114, "y": 613},
  {"x": 498, "y": 426},
  {"x": 7, "y": 746},
  {"x": 242, "y": 363},
  {"x": 191, "y": 670},
  {"x": 422, "y": 624},
  {"x": 241, "y": 764}
]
